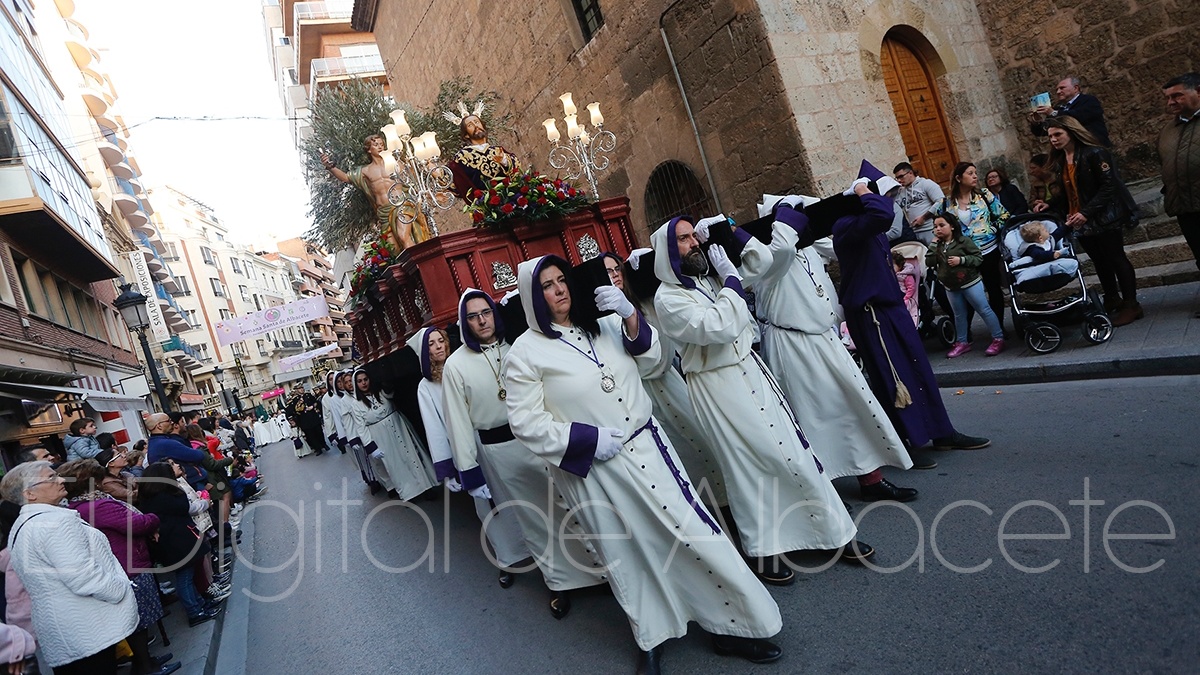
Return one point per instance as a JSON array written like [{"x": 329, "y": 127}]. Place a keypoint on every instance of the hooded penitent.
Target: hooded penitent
[
  {"x": 882, "y": 183},
  {"x": 468, "y": 337},
  {"x": 537, "y": 314},
  {"x": 666, "y": 255},
  {"x": 419, "y": 343}
]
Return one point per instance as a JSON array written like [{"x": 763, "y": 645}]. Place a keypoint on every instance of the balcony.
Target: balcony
[
  {"x": 345, "y": 342},
  {"x": 312, "y": 21},
  {"x": 289, "y": 346},
  {"x": 341, "y": 68},
  {"x": 182, "y": 353}
]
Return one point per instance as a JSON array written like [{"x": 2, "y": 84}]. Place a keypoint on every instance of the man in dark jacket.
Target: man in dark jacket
[
  {"x": 305, "y": 410},
  {"x": 1179, "y": 151},
  {"x": 1072, "y": 101},
  {"x": 164, "y": 444}
]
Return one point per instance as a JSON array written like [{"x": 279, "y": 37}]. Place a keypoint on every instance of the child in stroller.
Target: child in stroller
[{"x": 1039, "y": 256}]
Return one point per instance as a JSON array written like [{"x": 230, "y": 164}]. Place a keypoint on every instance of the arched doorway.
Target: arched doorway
[
  {"x": 918, "y": 108},
  {"x": 673, "y": 190}
]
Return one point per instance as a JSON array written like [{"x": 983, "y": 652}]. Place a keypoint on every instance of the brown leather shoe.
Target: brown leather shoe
[{"x": 1129, "y": 312}]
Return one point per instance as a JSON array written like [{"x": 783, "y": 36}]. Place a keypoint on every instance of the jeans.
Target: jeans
[
  {"x": 963, "y": 300},
  {"x": 185, "y": 588},
  {"x": 992, "y": 284}
]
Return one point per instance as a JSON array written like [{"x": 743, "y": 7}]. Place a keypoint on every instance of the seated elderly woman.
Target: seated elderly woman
[
  {"x": 83, "y": 602},
  {"x": 129, "y": 532}
]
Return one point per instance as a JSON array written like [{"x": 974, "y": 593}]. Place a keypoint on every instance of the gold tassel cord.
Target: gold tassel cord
[{"x": 903, "y": 398}]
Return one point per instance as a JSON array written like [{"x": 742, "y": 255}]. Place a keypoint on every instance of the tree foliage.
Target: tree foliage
[{"x": 345, "y": 114}]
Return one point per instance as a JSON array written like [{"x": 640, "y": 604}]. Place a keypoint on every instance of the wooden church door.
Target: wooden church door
[{"x": 919, "y": 113}]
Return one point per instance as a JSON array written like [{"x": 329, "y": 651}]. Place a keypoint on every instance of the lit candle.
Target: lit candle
[
  {"x": 597, "y": 118},
  {"x": 568, "y": 104},
  {"x": 573, "y": 129},
  {"x": 418, "y": 147},
  {"x": 583, "y": 137},
  {"x": 401, "y": 123},
  {"x": 431, "y": 146},
  {"x": 389, "y": 133},
  {"x": 389, "y": 163},
  {"x": 551, "y": 130}
]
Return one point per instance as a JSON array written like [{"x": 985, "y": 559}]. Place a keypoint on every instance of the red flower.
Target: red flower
[
  {"x": 478, "y": 194},
  {"x": 522, "y": 202},
  {"x": 561, "y": 195},
  {"x": 477, "y": 217},
  {"x": 525, "y": 189},
  {"x": 507, "y": 208},
  {"x": 571, "y": 191},
  {"x": 494, "y": 200},
  {"x": 541, "y": 200}
]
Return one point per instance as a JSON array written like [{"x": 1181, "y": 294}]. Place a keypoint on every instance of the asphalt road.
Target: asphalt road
[{"x": 950, "y": 594}]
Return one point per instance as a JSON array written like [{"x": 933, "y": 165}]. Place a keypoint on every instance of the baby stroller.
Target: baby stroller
[
  {"x": 1041, "y": 321},
  {"x": 930, "y": 324}
]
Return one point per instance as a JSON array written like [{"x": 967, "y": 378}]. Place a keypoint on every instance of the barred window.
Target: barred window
[{"x": 673, "y": 190}]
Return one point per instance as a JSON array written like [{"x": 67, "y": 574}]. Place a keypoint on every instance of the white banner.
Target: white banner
[
  {"x": 145, "y": 285},
  {"x": 257, "y": 323},
  {"x": 289, "y": 361}
]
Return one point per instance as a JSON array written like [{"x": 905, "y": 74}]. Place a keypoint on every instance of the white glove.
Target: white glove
[
  {"x": 452, "y": 484},
  {"x": 608, "y": 443},
  {"x": 481, "y": 492},
  {"x": 611, "y": 299},
  {"x": 794, "y": 201},
  {"x": 720, "y": 262},
  {"x": 701, "y": 228},
  {"x": 861, "y": 181}
]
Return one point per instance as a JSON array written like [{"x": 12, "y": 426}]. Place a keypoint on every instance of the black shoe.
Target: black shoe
[
  {"x": 754, "y": 650},
  {"x": 343, "y": 450},
  {"x": 200, "y": 618},
  {"x": 162, "y": 659},
  {"x": 649, "y": 663},
  {"x": 960, "y": 441},
  {"x": 772, "y": 570},
  {"x": 885, "y": 491},
  {"x": 857, "y": 551},
  {"x": 375, "y": 487},
  {"x": 506, "y": 579},
  {"x": 921, "y": 460},
  {"x": 560, "y": 604}
]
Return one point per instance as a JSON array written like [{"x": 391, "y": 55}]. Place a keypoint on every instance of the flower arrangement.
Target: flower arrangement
[
  {"x": 380, "y": 254},
  {"x": 528, "y": 195}
]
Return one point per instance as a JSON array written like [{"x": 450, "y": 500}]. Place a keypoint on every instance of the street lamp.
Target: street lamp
[
  {"x": 132, "y": 306},
  {"x": 219, "y": 375}
]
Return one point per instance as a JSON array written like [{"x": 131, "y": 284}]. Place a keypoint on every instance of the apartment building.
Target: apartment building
[
  {"x": 64, "y": 350},
  {"x": 313, "y": 45},
  {"x": 316, "y": 278}
]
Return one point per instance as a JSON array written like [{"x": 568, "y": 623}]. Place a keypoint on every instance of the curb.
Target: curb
[
  {"x": 228, "y": 651},
  {"x": 1143, "y": 365}
]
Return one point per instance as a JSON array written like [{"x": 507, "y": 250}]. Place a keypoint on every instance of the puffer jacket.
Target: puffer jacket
[
  {"x": 128, "y": 530},
  {"x": 81, "y": 597},
  {"x": 1179, "y": 150},
  {"x": 1103, "y": 197},
  {"x": 81, "y": 447}
]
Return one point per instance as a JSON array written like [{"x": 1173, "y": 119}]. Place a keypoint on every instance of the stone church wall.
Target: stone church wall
[{"x": 1122, "y": 50}]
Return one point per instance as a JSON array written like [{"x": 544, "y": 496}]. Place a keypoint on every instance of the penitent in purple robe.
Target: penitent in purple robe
[{"x": 868, "y": 281}]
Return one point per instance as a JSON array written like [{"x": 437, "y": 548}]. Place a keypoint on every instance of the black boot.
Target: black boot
[{"x": 649, "y": 663}]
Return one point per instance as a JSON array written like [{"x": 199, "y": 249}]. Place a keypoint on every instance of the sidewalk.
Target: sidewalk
[{"x": 1165, "y": 342}]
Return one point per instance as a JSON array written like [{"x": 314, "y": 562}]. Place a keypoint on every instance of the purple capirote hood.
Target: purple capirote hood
[
  {"x": 663, "y": 241},
  {"x": 537, "y": 314},
  {"x": 468, "y": 337}
]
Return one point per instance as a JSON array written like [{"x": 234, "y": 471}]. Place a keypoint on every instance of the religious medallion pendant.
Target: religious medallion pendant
[
  {"x": 502, "y": 394},
  {"x": 820, "y": 291},
  {"x": 608, "y": 383}
]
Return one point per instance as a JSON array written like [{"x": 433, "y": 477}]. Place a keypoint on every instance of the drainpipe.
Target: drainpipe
[{"x": 712, "y": 188}]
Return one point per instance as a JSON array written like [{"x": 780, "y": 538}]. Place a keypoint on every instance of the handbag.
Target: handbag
[{"x": 297, "y": 443}]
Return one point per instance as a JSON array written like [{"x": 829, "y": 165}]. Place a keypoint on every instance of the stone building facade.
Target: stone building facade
[
  {"x": 781, "y": 95},
  {"x": 1122, "y": 51}
]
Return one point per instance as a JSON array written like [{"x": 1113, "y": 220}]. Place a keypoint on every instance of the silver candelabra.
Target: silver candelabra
[
  {"x": 421, "y": 182},
  {"x": 584, "y": 153}
]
